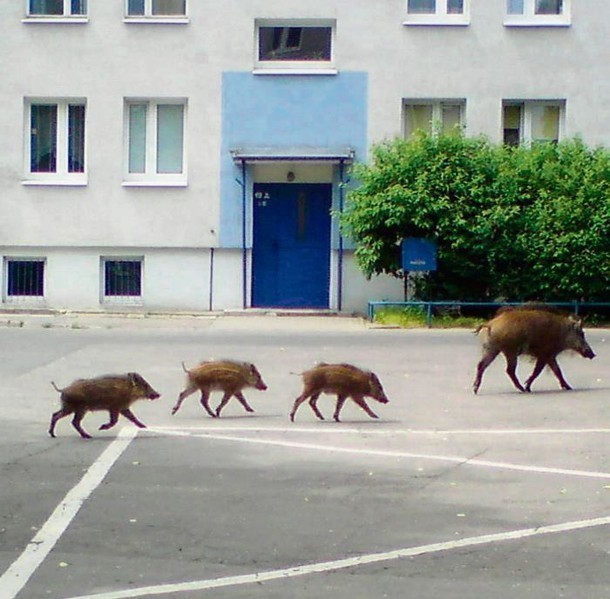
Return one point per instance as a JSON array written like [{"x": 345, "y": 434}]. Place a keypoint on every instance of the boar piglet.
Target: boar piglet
[
  {"x": 114, "y": 393},
  {"x": 228, "y": 376},
  {"x": 537, "y": 331},
  {"x": 343, "y": 380}
]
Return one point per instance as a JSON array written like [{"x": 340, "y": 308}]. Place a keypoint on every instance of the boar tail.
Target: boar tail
[
  {"x": 480, "y": 328},
  {"x": 184, "y": 367},
  {"x": 55, "y": 387}
]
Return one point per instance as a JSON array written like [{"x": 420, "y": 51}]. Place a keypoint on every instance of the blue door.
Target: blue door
[{"x": 291, "y": 245}]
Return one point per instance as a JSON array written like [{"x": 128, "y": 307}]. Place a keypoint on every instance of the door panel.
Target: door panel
[{"x": 291, "y": 245}]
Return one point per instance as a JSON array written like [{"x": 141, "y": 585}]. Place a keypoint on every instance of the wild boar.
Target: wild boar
[
  {"x": 114, "y": 393},
  {"x": 533, "y": 330},
  {"x": 345, "y": 381},
  {"x": 228, "y": 376}
]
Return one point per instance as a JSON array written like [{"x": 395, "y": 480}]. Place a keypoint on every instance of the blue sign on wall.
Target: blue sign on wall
[{"x": 418, "y": 255}]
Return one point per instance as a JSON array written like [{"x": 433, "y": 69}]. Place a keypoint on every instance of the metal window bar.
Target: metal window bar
[
  {"x": 25, "y": 278},
  {"x": 122, "y": 278}
]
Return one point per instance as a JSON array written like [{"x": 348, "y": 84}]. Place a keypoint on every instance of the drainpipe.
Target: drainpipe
[
  {"x": 211, "y": 304},
  {"x": 244, "y": 257},
  {"x": 340, "y": 257}
]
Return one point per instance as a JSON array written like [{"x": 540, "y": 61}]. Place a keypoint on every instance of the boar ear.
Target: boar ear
[
  {"x": 575, "y": 321},
  {"x": 134, "y": 377}
]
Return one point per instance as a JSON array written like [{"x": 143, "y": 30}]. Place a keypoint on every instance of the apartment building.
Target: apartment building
[{"x": 191, "y": 155}]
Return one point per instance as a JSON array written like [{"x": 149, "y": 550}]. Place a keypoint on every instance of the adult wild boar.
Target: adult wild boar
[
  {"x": 114, "y": 393},
  {"x": 345, "y": 381},
  {"x": 537, "y": 331}
]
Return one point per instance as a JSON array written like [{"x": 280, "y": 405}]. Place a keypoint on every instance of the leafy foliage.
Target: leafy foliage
[{"x": 512, "y": 223}]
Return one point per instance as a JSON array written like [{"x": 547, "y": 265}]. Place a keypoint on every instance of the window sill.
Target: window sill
[
  {"x": 539, "y": 22},
  {"x": 156, "y": 183},
  {"x": 122, "y": 300},
  {"x": 56, "y": 20},
  {"x": 80, "y": 182},
  {"x": 295, "y": 71},
  {"x": 156, "y": 20},
  {"x": 432, "y": 21}
]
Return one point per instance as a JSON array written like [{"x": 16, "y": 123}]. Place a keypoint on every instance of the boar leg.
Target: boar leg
[
  {"x": 485, "y": 361},
  {"x": 511, "y": 367},
  {"x": 114, "y": 416},
  {"x": 131, "y": 416},
  {"x": 557, "y": 372},
  {"x": 340, "y": 401},
  {"x": 297, "y": 402},
  {"x": 313, "y": 402},
  {"x": 360, "y": 401},
  {"x": 242, "y": 400},
  {"x": 204, "y": 401},
  {"x": 540, "y": 364},
  {"x": 78, "y": 416},
  {"x": 184, "y": 394},
  {"x": 57, "y": 416}
]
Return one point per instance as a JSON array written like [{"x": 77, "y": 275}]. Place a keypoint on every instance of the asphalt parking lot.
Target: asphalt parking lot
[{"x": 448, "y": 494}]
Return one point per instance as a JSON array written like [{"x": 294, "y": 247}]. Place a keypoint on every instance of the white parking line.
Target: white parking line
[
  {"x": 384, "y": 431},
  {"x": 20, "y": 571},
  {"x": 304, "y": 569},
  {"x": 463, "y": 460}
]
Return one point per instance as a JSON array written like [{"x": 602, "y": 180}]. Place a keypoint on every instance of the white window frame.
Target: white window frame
[
  {"x": 527, "y": 118},
  {"x": 148, "y": 16},
  {"x": 151, "y": 178},
  {"x": 295, "y": 67},
  {"x": 66, "y": 17},
  {"x": 121, "y": 300},
  {"x": 440, "y": 17},
  {"x": 60, "y": 176},
  {"x": 530, "y": 19},
  {"x": 437, "y": 112},
  {"x": 37, "y": 300}
]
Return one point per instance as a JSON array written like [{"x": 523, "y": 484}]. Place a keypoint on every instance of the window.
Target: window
[
  {"x": 438, "y": 12},
  {"x": 155, "y": 9},
  {"x": 57, "y": 8},
  {"x": 24, "y": 278},
  {"x": 55, "y": 141},
  {"x": 122, "y": 280},
  {"x": 537, "y": 13},
  {"x": 294, "y": 45},
  {"x": 439, "y": 116},
  {"x": 532, "y": 121},
  {"x": 155, "y": 142}
]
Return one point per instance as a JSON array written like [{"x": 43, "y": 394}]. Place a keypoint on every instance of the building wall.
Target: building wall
[{"x": 209, "y": 62}]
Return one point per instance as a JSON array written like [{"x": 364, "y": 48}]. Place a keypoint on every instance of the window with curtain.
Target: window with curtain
[
  {"x": 156, "y": 8},
  {"x": 441, "y": 12},
  {"x": 57, "y": 8},
  {"x": 532, "y": 121},
  {"x": 427, "y": 7},
  {"x": 538, "y": 9},
  {"x": 432, "y": 116},
  {"x": 155, "y": 140},
  {"x": 56, "y": 138}
]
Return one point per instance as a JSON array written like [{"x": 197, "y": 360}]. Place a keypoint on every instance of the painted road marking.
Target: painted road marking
[
  {"x": 370, "y": 431},
  {"x": 20, "y": 571},
  {"x": 462, "y": 460},
  {"x": 305, "y": 569}
]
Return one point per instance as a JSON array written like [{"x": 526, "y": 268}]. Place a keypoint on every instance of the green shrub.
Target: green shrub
[{"x": 511, "y": 223}]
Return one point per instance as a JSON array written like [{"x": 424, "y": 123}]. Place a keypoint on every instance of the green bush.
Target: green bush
[{"x": 511, "y": 223}]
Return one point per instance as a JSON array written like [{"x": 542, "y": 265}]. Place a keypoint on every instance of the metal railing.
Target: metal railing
[{"x": 428, "y": 306}]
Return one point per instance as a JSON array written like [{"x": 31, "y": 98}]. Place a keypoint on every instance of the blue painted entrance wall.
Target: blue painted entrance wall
[
  {"x": 283, "y": 111},
  {"x": 291, "y": 245}
]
